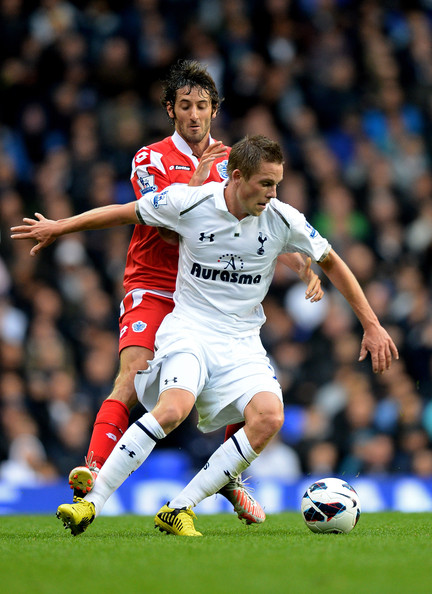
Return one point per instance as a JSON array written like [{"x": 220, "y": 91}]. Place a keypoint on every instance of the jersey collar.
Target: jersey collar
[
  {"x": 219, "y": 198},
  {"x": 183, "y": 146}
]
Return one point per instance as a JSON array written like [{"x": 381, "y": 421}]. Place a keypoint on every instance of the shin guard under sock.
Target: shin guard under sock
[{"x": 128, "y": 455}]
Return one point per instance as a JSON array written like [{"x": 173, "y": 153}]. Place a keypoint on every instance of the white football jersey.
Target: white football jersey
[{"x": 226, "y": 265}]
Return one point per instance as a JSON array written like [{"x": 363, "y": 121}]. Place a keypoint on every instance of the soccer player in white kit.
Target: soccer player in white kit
[{"x": 209, "y": 352}]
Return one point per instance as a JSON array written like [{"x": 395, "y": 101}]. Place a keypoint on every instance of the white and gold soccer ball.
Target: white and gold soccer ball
[{"x": 330, "y": 505}]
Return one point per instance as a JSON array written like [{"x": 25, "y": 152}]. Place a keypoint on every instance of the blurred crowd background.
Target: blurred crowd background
[{"x": 345, "y": 87}]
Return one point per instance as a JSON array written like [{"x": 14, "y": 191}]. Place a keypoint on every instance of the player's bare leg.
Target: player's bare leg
[{"x": 264, "y": 418}]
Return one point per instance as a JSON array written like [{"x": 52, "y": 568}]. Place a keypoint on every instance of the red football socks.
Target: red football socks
[{"x": 111, "y": 422}]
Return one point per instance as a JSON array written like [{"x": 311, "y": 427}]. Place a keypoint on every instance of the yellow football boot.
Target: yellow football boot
[
  {"x": 76, "y": 516},
  {"x": 176, "y": 521}
]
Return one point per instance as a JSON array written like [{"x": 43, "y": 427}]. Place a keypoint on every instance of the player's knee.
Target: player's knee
[
  {"x": 169, "y": 419},
  {"x": 272, "y": 422},
  {"x": 268, "y": 422},
  {"x": 173, "y": 408}
]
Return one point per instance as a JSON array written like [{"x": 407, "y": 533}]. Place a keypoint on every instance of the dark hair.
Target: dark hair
[
  {"x": 190, "y": 74},
  {"x": 248, "y": 153}
]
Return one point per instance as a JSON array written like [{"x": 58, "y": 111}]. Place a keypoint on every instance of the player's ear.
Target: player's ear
[
  {"x": 170, "y": 111},
  {"x": 236, "y": 175}
]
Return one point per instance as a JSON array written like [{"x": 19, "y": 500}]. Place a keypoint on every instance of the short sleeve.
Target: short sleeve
[
  {"x": 162, "y": 209},
  {"x": 302, "y": 236}
]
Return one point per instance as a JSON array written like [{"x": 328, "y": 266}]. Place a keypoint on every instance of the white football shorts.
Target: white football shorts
[{"x": 223, "y": 372}]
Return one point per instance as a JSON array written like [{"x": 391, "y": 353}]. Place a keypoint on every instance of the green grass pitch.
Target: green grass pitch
[{"x": 386, "y": 553}]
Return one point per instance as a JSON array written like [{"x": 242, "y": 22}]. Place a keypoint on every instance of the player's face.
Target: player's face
[
  {"x": 192, "y": 114},
  {"x": 253, "y": 195}
]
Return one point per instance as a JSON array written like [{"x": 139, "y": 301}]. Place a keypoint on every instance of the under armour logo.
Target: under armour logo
[
  {"x": 130, "y": 452},
  {"x": 173, "y": 380},
  {"x": 204, "y": 236},
  {"x": 262, "y": 240}
]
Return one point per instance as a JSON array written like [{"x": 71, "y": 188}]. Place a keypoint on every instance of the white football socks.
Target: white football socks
[
  {"x": 230, "y": 459},
  {"x": 128, "y": 455}
]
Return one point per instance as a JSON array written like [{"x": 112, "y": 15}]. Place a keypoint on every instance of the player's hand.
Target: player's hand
[
  {"x": 314, "y": 290},
  {"x": 42, "y": 230},
  {"x": 169, "y": 236},
  {"x": 381, "y": 347},
  {"x": 215, "y": 151}
]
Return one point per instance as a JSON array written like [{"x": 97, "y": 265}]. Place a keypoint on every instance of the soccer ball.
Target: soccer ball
[{"x": 330, "y": 506}]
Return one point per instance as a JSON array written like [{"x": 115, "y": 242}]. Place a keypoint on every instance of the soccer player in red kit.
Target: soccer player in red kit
[{"x": 189, "y": 156}]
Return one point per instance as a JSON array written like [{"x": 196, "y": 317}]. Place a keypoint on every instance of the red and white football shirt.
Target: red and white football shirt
[
  {"x": 151, "y": 262},
  {"x": 151, "y": 265}
]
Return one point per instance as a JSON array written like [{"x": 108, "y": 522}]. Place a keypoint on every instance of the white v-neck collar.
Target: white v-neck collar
[{"x": 184, "y": 148}]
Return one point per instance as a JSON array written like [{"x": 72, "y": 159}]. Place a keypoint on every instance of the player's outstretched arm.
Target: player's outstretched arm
[
  {"x": 376, "y": 339},
  {"x": 45, "y": 231},
  {"x": 303, "y": 269}
]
